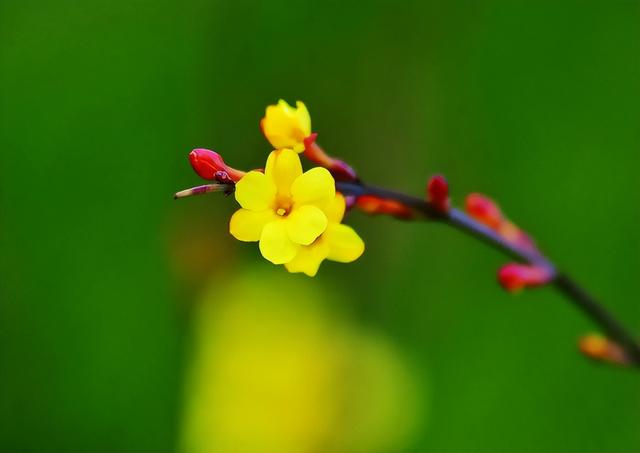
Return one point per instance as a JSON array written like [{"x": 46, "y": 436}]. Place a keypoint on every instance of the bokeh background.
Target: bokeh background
[{"x": 131, "y": 322}]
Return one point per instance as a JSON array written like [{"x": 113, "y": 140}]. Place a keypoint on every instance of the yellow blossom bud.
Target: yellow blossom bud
[{"x": 285, "y": 126}]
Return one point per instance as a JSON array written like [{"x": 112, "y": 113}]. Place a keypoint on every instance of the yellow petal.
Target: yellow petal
[
  {"x": 285, "y": 126},
  {"x": 247, "y": 225},
  {"x": 283, "y": 167},
  {"x": 345, "y": 245},
  {"x": 334, "y": 210},
  {"x": 316, "y": 187},
  {"x": 309, "y": 258},
  {"x": 255, "y": 191},
  {"x": 304, "y": 119},
  {"x": 275, "y": 244},
  {"x": 305, "y": 224}
]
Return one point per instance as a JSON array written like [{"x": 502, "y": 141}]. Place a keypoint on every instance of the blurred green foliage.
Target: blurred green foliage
[{"x": 535, "y": 103}]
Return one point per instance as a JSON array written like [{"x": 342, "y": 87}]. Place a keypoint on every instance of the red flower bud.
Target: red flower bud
[
  {"x": 438, "y": 193},
  {"x": 376, "y": 205},
  {"x": 514, "y": 277},
  {"x": 484, "y": 210},
  {"x": 487, "y": 212},
  {"x": 209, "y": 165}
]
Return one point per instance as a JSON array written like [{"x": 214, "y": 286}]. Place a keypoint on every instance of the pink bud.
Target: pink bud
[
  {"x": 210, "y": 165},
  {"x": 514, "y": 277},
  {"x": 484, "y": 210},
  {"x": 372, "y": 204},
  {"x": 206, "y": 163},
  {"x": 438, "y": 193}
]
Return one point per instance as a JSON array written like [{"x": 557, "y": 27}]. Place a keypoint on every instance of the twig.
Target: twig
[
  {"x": 461, "y": 221},
  {"x": 620, "y": 347}
]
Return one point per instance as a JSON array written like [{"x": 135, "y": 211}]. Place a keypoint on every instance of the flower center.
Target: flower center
[{"x": 283, "y": 206}]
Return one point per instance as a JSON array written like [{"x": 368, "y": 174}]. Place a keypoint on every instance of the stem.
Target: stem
[
  {"x": 461, "y": 221},
  {"x": 594, "y": 310},
  {"x": 454, "y": 217}
]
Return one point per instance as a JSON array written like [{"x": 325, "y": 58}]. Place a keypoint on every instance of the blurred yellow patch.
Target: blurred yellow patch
[{"x": 274, "y": 372}]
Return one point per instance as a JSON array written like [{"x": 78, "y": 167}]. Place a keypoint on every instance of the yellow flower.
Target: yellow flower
[
  {"x": 285, "y": 126},
  {"x": 282, "y": 207},
  {"x": 338, "y": 243}
]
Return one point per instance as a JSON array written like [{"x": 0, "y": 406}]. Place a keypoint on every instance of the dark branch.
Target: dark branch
[{"x": 461, "y": 221}]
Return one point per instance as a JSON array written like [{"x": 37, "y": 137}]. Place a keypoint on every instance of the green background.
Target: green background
[{"x": 535, "y": 103}]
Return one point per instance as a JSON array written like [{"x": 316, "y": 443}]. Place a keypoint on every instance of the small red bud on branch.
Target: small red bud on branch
[
  {"x": 210, "y": 165},
  {"x": 514, "y": 277},
  {"x": 484, "y": 210},
  {"x": 372, "y": 204},
  {"x": 438, "y": 193}
]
